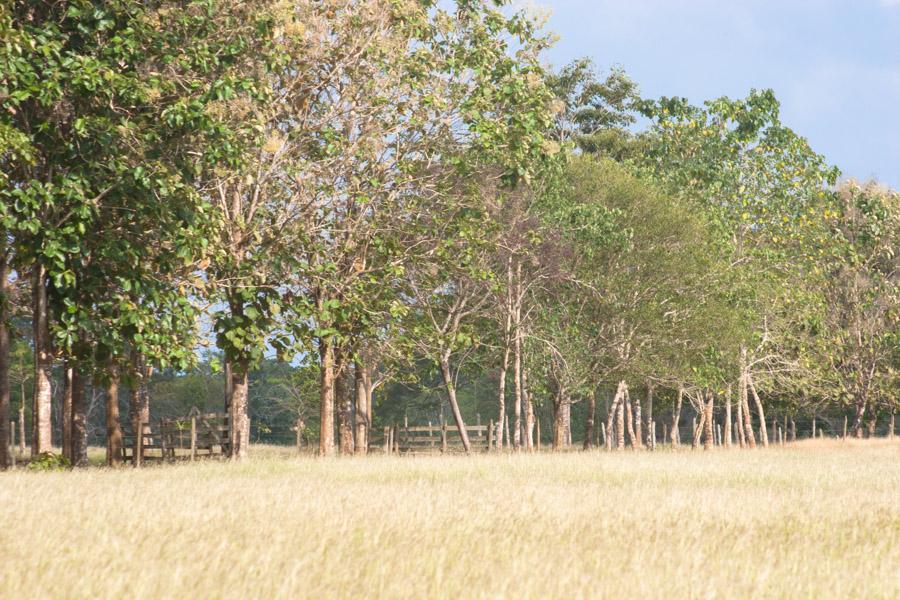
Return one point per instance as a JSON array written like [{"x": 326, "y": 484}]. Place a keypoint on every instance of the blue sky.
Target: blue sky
[{"x": 835, "y": 65}]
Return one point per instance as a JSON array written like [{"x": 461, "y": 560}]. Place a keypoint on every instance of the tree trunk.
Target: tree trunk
[
  {"x": 589, "y": 423},
  {"x": 454, "y": 405},
  {"x": 344, "y": 401},
  {"x": 676, "y": 417},
  {"x": 651, "y": 429},
  {"x": 139, "y": 405},
  {"x": 638, "y": 424},
  {"x": 79, "y": 420},
  {"x": 517, "y": 388},
  {"x": 360, "y": 375},
  {"x": 68, "y": 375},
  {"x": 629, "y": 418},
  {"x": 5, "y": 458},
  {"x": 620, "y": 416},
  {"x": 559, "y": 420},
  {"x": 742, "y": 398},
  {"x": 238, "y": 417},
  {"x": 529, "y": 412},
  {"x": 759, "y": 410},
  {"x": 504, "y": 365},
  {"x": 870, "y": 425},
  {"x": 43, "y": 362},
  {"x": 326, "y": 397},
  {"x": 708, "y": 421},
  {"x": 739, "y": 423},
  {"x": 727, "y": 434},
  {"x": 611, "y": 422},
  {"x": 22, "y": 422},
  {"x": 113, "y": 429}
]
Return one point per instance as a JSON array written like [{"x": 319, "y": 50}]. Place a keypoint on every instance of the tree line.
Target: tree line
[{"x": 376, "y": 193}]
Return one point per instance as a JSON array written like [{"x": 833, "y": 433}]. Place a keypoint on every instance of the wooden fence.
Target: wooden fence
[
  {"x": 401, "y": 439},
  {"x": 186, "y": 438}
]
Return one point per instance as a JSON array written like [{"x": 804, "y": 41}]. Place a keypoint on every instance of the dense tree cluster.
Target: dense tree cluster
[{"x": 346, "y": 196}]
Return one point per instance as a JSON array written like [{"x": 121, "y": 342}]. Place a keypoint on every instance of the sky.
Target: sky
[{"x": 834, "y": 64}]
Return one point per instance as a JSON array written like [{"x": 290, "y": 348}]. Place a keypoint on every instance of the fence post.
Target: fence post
[
  {"x": 443, "y": 437},
  {"x": 163, "y": 435},
  {"x": 138, "y": 448},
  {"x": 12, "y": 443},
  {"x": 490, "y": 436},
  {"x": 193, "y": 437}
]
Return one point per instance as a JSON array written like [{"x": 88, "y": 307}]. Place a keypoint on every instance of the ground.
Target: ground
[{"x": 816, "y": 519}]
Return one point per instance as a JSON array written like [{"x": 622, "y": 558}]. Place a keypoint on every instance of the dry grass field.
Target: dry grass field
[{"x": 816, "y": 520}]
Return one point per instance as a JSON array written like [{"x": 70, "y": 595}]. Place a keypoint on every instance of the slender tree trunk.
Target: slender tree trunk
[
  {"x": 238, "y": 417},
  {"x": 299, "y": 425},
  {"x": 326, "y": 397},
  {"x": 68, "y": 375},
  {"x": 344, "y": 401},
  {"x": 620, "y": 417},
  {"x": 504, "y": 365},
  {"x": 727, "y": 433},
  {"x": 871, "y": 424},
  {"x": 638, "y": 424},
  {"x": 517, "y": 387},
  {"x": 139, "y": 405},
  {"x": 708, "y": 421},
  {"x": 5, "y": 458},
  {"x": 611, "y": 421},
  {"x": 697, "y": 434},
  {"x": 651, "y": 429},
  {"x": 362, "y": 408},
  {"x": 113, "y": 429},
  {"x": 742, "y": 397},
  {"x": 454, "y": 405},
  {"x": 559, "y": 419},
  {"x": 676, "y": 417},
  {"x": 739, "y": 422},
  {"x": 22, "y": 422},
  {"x": 79, "y": 420},
  {"x": 629, "y": 419},
  {"x": 42, "y": 432},
  {"x": 529, "y": 412},
  {"x": 759, "y": 410},
  {"x": 589, "y": 423}
]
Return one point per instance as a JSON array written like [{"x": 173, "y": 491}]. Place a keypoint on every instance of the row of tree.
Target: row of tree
[{"x": 375, "y": 191}]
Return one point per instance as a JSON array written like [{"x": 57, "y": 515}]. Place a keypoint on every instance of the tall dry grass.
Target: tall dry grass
[{"x": 818, "y": 519}]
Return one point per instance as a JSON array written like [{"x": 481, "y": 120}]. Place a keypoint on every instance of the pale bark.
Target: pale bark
[
  {"x": 610, "y": 422},
  {"x": 326, "y": 397},
  {"x": 454, "y": 405},
  {"x": 504, "y": 365},
  {"x": 674, "y": 434},
  {"x": 560, "y": 404},
  {"x": 5, "y": 458},
  {"x": 629, "y": 417},
  {"x": 638, "y": 425},
  {"x": 41, "y": 430},
  {"x": 529, "y": 412},
  {"x": 113, "y": 428},
  {"x": 727, "y": 434},
  {"x": 139, "y": 405},
  {"x": 708, "y": 421},
  {"x": 360, "y": 376},
  {"x": 517, "y": 384},
  {"x": 743, "y": 383},
  {"x": 238, "y": 419},
  {"x": 760, "y": 412},
  {"x": 739, "y": 422},
  {"x": 68, "y": 374},
  {"x": 344, "y": 401},
  {"x": 620, "y": 417},
  {"x": 79, "y": 420}
]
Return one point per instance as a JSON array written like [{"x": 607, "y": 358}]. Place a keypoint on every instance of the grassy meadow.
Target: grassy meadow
[{"x": 816, "y": 519}]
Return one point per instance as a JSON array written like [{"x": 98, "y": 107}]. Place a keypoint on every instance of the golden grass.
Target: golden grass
[{"x": 817, "y": 519}]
